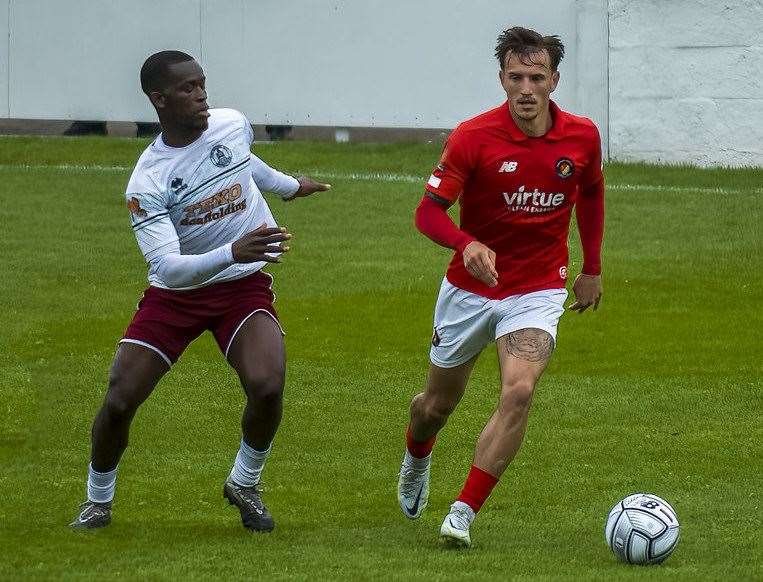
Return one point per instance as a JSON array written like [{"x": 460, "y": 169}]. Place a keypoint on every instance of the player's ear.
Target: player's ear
[
  {"x": 157, "y": 99},
  {"x": 554, "y": 80},
  {"x": 501, "y": 77}
]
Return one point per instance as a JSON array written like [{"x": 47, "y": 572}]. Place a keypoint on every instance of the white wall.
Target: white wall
[
  {"x": 686, "y": 81},
  {"x": 4, "y": 61},
  {"x": 80, "y": 59},
  {"x": 386, "y": 63},
  {"x": 665, "y": 80},
  {"x": 382, "y": 63}
]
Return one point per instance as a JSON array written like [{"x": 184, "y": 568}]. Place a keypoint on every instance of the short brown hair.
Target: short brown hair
[{"x": 524, "y": 42}]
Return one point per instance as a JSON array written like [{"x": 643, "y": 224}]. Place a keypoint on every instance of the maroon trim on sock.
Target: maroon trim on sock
[
  {"x": 479, "y": 484},
  {"x": 416, "y": 448}
]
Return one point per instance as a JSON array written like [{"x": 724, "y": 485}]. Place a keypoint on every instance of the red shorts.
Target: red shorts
[{"x": 167, "y": 321}]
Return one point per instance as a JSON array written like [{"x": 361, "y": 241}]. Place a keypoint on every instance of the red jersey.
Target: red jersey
[{"x": 516, "y": 194}]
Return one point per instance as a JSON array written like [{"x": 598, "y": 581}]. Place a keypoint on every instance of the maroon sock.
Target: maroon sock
[
  {"x": 416, "y": 448},
  {"x": 477, "y": 488}
]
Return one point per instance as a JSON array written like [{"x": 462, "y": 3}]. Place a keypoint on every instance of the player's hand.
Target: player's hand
[
  {"x": 308, "y": 186},
  {"x": 259, "y": 244},
  {"x": 480, "y": 262},
  {"x": 587, "y": 289}
]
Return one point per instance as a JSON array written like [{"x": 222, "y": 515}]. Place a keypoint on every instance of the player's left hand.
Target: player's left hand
[
  {"x": 308, "y": 186},
  {"x": 587, "y": 289}
]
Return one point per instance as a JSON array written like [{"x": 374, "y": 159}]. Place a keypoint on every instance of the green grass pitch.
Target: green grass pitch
[{"x": 659, "y": 391}]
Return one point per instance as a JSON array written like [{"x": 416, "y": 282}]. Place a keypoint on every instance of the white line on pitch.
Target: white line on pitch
[
  {"x": 382, "y": 177},
  {"x": 389, "y": 177}
]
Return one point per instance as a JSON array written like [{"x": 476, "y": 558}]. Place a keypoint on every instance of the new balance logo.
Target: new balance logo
[{"x": 508, "y": 167}]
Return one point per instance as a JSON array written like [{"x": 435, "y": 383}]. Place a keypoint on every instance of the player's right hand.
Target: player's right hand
[
  {"x": 258, "y": 245},
  {"x": 479, "y": 260}
]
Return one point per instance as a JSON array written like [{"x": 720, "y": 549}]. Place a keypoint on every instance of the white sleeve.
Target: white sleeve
[
  {"x": 179, "y": 271},
  {"x": 270, "y": 180},
  {"x": 153, "y": 228},
  {"x": 248, "y": 129},
  {"x": 158, "y": 241}
]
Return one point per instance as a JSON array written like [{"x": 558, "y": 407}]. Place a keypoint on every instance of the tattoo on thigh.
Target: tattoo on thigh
[{"x": 531, "y": 345}]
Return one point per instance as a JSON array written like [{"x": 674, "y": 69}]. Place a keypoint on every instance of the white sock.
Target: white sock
[
  {"x": 249, "y": 464},
  {"x": 100, "y": 486},
  {"x": 416, "y": 462}
]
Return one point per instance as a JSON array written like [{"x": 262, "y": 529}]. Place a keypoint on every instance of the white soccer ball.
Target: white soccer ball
[{"x": 642, "y": 529}]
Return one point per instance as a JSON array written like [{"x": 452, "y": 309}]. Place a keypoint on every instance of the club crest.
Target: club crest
[
  {"x": 221, "y": 156},
  {"x": 565, "y": 168}
]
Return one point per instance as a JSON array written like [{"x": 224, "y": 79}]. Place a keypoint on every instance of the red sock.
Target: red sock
[
  {"x": 477, "y": 488},
  {"x": 416, "y": 448}
]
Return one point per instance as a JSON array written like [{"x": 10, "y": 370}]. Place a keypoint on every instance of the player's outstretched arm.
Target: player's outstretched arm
[
  {"x": 287, "y": 187},
  {"x": 308, "y": 186}
]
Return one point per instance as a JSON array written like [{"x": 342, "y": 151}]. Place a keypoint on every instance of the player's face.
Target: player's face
[
  {"x": 184, "y": 101},
  {"x": 528, "y": 83}
]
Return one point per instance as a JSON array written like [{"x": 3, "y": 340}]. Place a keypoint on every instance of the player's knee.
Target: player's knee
[
  {"x": 266, "y": 388},
  {"x": 437, "y": 410},
  {"x": 117, "y": 404},
  {"x": 119, "y": 408},
  {"x": 517, "y": 395}
]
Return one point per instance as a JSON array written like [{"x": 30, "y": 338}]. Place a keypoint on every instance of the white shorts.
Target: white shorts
[{"x": 464, "y": 322}]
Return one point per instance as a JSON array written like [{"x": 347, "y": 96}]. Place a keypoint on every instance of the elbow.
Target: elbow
[
  {"x": 179, "y": 281},
  {"x": 175, "y": 274},
  {"x": 420, "y": 216},
  {"x": 417, "y": 218},
  {"x": 176, "y": 279}
]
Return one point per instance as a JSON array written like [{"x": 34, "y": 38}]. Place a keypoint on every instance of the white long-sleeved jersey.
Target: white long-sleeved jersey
[{"x": 189, "y": 204}]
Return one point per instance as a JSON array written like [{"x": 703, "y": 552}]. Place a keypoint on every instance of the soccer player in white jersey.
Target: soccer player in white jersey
[{"x": 206, "y": 232}]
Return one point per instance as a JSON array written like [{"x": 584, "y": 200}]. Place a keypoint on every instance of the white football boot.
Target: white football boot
[
  {"x": 454, "y": 531},
  {"x": 413, "y": 485}
]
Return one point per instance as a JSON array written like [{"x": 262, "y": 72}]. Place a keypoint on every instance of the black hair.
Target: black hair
[
  {"x": 524, "y": 42},
  {"x": 153, "y": 73}
]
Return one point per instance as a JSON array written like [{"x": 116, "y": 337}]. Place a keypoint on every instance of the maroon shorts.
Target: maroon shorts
[{"x": 167, "y": 321}]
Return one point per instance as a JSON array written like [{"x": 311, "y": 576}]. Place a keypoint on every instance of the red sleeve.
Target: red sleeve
[
  {"x": 433, "y": 221},
  {"x": 590, "y": 211},
  {"x": 453, "y": 169},
  {"x": 592, "y": 173}
]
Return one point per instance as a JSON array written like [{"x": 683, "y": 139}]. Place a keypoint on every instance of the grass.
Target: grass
[{"x": 658, "y": 391}]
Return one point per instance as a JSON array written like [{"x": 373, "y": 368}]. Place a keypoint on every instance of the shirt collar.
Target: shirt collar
[{"x": 555, "y": 133}]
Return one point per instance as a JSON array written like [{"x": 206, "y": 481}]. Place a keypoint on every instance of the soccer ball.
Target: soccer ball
[{"x": 642, "y": 529}]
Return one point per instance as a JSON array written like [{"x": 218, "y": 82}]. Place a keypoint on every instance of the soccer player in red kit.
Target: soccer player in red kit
[{"x": 517, "y": 171}]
